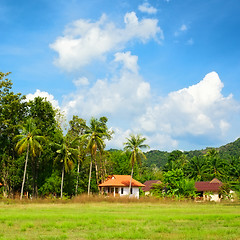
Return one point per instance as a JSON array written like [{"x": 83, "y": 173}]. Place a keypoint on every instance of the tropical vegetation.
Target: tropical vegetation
[{"x": 39, "y": 157}]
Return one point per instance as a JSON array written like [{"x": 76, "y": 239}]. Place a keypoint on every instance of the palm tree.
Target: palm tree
[
  {"x": 77, "y": 129},
  {"x": 134, "y": 145},
  {"x": 81, "y": 158},
  {"x": 28, "y": 141},
  {"x": 196, "y": 168},
  {"x": 95, "y": 135},
  {"x": 67, "y": 155},
  {"x": 216, "y": 165}
]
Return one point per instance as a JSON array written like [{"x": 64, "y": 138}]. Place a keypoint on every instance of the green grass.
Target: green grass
[{"x": 119, "y": 220}]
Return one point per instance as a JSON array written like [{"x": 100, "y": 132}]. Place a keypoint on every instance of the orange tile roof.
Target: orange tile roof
[{"x": 120, "y": 181}]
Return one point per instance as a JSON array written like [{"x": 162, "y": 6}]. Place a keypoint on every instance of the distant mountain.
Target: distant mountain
[{"x": 159, "y": 158}]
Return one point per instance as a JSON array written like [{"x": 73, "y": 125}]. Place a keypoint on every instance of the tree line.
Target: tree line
[{"x": 38, "y": 157}]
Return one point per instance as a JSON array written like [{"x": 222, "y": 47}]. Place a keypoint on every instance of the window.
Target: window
[
  {"x": 122, "y": 190},
  {"x": 131, "y": 190}
]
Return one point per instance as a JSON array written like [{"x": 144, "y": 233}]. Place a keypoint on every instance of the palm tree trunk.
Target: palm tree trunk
[
  {"x": 78, "y": 167},
  {"x": 96, "y": 168},
  {"x": 62, "y": 182},
  {"x": 130, "y": 185},
  {"x": 34, "y": 176},
  {"x": 89, "y": 180},
  {"x": 24, "y": 174}
]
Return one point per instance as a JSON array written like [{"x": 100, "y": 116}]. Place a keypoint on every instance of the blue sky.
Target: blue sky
[{"x": 167, "y": 69}]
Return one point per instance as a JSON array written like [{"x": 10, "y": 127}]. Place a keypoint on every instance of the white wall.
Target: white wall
[{"x": 135, "y": 191}]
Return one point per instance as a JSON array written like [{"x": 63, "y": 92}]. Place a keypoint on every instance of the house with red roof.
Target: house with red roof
[
  {"x": 118, "y": 185},
  {"x": 209, "y": 190},
  {"x": 148, "y": 186}
]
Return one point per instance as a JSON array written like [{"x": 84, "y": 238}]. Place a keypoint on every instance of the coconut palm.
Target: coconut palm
[
  {"x": 215, "y": 165},
  {"x": 94, "y": 136},
  {"x": 29, "y": 141},
  {"x": 134, "y": 145},
  {"x": 77, "y": 129},
  {"x": 196, "y": 168},
  {"x": 67, "y": 155}
]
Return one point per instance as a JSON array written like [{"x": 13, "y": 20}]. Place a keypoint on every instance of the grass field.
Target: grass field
[{"x": 119, "y": 220}]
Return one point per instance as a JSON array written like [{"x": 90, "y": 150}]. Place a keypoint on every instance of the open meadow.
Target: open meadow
[{"x": 119, "y": 220}]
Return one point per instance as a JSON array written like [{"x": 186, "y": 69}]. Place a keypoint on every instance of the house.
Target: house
[
  {"x": 118, "y": 185},
  {"x": 148, "y": 186},
  {"x": 209, "y": 190}
]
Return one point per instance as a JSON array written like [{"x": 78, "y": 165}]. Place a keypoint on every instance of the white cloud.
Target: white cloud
[
  {"x": 147, "y": 8},
  {"x": 118, "y": 138},
  {"x": 199, "y": 110},
  {"x": 82, "y": 81},
  {"x": 46, "y": 95},
  {"x": 123, "y": 95},
  {"x": 84, "y": 41},
  {"x": 129, "y": 61}
]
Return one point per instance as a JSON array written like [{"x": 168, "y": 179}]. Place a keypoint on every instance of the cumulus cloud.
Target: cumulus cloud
[
  {"x": 82, "y": 81},
  {"x": 118, "y": 138},
  {"x": 199, "y": 110},
  {"x": 49, "y": 97},
  {"x": 123, "y": 95},
  {"x": 84, "y": 41},
  {"x": 129, "y": 61},
  {"x": 147, "y": 8}
]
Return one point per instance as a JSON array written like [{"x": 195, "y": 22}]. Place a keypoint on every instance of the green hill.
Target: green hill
[{"x": 159, "y": 158}]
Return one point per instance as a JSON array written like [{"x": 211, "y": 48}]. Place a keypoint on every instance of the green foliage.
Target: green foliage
[
  {"x": 13, "y": 110},
  {"x": 119, "y": 163},
  {"x": 179, "y": 167},
  {"x": 51, "y": 185},
  {"x": 158, "y": 189},
  {"x": 133, "y": 146},
  {"x": 159, "y": 158},
  {"x": 178, "y": 185}
]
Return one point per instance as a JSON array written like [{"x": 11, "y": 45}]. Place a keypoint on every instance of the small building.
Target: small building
[
  {"x": 118, "y": 185},
  {"x": 148, "y": 186},
  {"x": 209, "y": 191}
]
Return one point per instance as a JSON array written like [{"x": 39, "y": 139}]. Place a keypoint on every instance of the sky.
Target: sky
[{"x": 166, "y": 69}]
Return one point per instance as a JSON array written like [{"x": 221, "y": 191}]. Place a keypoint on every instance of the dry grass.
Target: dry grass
[{"x": 84, "y": 198}]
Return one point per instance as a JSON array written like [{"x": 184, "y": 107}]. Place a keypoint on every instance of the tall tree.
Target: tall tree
[
  {"x": 216, "y": 166},
  {"x": 196, "y": 168},
  {"x": 13, "y": 110},
  {"x": 95, "y": 135},
  {"x": 28, "y": 141},
  {"x": 77, "y": 128},
  {"x": 134, "y": 145},
  {"x": 44, "y": 115},
  {"x": 67, "y": 154}
]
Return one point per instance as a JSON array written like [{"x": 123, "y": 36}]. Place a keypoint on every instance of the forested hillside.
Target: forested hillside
[{"x": 159, "y": 158}]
